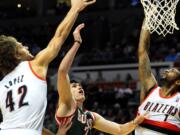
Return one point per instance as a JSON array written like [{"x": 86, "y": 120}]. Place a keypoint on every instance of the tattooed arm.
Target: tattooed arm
[{"x": 147, "y": 79}]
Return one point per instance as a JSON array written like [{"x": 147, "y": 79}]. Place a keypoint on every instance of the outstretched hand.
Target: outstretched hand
[
  {"x": 77, "y": 34},
  {"x": 81, "y": 4},
  {"x": 64, "y": 127}
]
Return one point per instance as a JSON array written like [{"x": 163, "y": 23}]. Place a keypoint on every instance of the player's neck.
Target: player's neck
[
  {"x": 168, "y": 91},
  {"x": 80, "y": 105}
]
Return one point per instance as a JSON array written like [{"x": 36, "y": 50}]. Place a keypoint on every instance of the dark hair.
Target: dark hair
[
  {"x": 74, "y": 81},
  {"x": 8, "y": 60}
]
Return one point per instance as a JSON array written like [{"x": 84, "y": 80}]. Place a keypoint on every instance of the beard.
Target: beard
[{"x": 164, "y": 81}]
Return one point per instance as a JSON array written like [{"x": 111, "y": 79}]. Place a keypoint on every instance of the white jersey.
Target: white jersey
[
  {"x": 23, "y": 100},
  {"x": 164, "y": 114}
]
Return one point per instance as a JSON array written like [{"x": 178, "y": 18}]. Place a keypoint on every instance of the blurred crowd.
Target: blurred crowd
[
  {"x": 102, "y": 44},
  {"x": 107, "y": 39}
]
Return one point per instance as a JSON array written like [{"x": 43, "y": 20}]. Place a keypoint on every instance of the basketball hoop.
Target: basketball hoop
[{"x": 160, "y": 16}]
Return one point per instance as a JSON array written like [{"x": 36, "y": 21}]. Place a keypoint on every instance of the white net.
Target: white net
[{"x": 160, "y": 16}]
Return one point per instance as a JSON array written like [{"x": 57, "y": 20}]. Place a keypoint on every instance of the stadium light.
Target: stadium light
[{"x": 19, "y": 5}]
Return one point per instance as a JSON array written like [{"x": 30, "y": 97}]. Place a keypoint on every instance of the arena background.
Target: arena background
[{"x": 106, "y": 63}]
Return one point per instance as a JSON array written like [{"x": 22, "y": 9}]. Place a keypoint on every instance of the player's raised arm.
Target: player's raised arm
[
  {"x": 114, "y": 128},
  {"x": 146, "y": 77},
  {"x": 63, "y": 82},
  {"x": 43, "y": 58}
]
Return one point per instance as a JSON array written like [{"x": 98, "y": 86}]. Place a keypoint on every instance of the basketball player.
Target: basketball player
[
  {"x": 162, "y": 103},
  {"x": 72, "y": 98},
  {"x": 23, "y": 88}
]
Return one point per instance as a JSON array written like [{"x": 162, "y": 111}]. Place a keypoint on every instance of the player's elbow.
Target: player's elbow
[
  {"x": 119, "y": 131},
  {"x": 122, "y": 130},
  {"x": 62, "y": 70},
  {"x": 56, "y": 44},
  {"x": 61, "y": 35}
]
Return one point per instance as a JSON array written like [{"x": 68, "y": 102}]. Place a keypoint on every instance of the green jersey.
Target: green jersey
[{"x": 82, "y": 122}]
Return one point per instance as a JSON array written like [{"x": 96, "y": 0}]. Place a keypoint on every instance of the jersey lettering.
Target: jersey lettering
[
  {"x": 160, "y": 108},
  {"x": 14, "y": 81}
]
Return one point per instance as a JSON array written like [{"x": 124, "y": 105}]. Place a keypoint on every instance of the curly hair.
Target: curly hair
[{"x": 8, "y": 60}]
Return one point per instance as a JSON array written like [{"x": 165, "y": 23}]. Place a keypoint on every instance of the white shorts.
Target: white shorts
[{"x": 19, "y": 132}]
